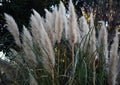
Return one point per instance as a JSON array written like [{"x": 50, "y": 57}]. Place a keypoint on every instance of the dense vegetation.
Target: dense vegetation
[{"x": 52, "y": 49}]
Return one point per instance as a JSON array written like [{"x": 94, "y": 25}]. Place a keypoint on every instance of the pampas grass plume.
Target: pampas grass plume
[
  {"x": 113, "y": 71},
  {"x": 28, "y": 45},
  {"x": 73, "y": 24},
  {"x": 102, "y": 40},
  {"x": 84, "y": 28},
  {"x": 93, "y": 37},
  {"x": 46, "y": 49},
  {"x": 35, "y": 31},
  {"x": 13, "y": 28},
  {"x": 61, "y": 20},
  {"x": 55, "y": 23},
  {"x": 49, "y": 26}
]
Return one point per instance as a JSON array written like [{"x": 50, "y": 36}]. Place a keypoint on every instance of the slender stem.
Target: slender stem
[
  {"x": 53, "y": 79},
  {"x": 58, "y": 60},
  {"x": 65, "y": 57},
  {"x": 72, "y": 76},
  {"x": 73, "y": 58},
  {"x": 94, "y": 72}
]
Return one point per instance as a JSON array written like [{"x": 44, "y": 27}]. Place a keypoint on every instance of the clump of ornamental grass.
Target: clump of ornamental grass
[
  {"x": 63, "y": 50},
  {"x": 39, "y": 40}
]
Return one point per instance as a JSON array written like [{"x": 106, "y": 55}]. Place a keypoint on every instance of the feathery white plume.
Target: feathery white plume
[
  {"x": 49, "y": 25},
  {"x": 66, "y": 28},
  {"x": 61, "y": 20},
  {"x": 13, "y": 28},
  {"x": 113, "y": 71},
  {"x": 73, "y": 25},
  {"x": 46, "y": 49},
  {"x": 84, "y": 28},
  {"x": 28, "y": 45},
  {"x": 55, "y": 24},
  {"x": 37, "y": 16},
  {"x": 35, "y": 30},
  {"x": 102, "y": 41},
  {"x": 93, "y": 37}
]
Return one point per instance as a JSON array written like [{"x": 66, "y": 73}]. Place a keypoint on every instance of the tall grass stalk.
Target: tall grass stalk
[
  {"x": 73, "y": 32},
  {"x": 102, "y": 40},
  {"x": 113, "y": 71},
  {"x": 93, "y": 46}
]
